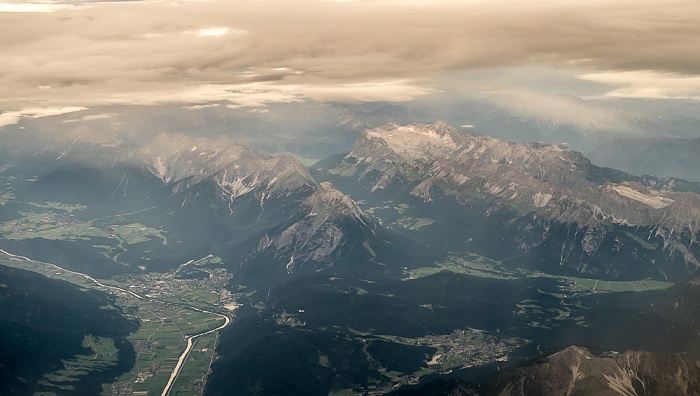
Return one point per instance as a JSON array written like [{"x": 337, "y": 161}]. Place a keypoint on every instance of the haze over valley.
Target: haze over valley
[{"x": 349, "y": 197}]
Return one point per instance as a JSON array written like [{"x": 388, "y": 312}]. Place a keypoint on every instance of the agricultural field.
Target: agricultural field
[
  {"x": 49, "y": 271},
  {"x": 472, "y": 264},
  {"x": 58, "y": 223},
  {"x": 197, "y": 298},
  {"x": 344, "y": 170},
  {"x": 412, "y": 223},
  {"x": 480, "y": 266},
  {"x": 70, "y": 208},
  {"x": 191, "y": 380},
  {"x": 584, "y": 284},
  {"x": 158, "y": 343},
  {"x": 434, "y": 353}
]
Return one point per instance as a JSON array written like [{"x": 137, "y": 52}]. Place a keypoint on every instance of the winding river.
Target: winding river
[{"x": 191, "y": 339}]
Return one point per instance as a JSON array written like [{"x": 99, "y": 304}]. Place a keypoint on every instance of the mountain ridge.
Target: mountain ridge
[
  {"x": 547, "y": 184},
  {"x": 576, "y": 370}
]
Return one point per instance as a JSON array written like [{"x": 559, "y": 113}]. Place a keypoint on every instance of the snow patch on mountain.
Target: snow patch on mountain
[{"x": 654, "y": 200}]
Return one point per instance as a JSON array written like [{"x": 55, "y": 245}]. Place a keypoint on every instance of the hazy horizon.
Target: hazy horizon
[{"x": 65, "y": 56}]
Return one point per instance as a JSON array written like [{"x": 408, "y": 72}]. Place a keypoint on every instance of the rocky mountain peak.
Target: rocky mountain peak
[
  {"x": 329, "y": 202},
  {"x": 525, "y": 181},
  {"x": 573, "y": 353},
  {"x": 439, "y": 151},
  {"x": 577, "y": 371},
  {"x": 320, "y": 229},
  {"x": 530, "y": 175},
  {"x": 237, "y": 169},
  {"x": 412, "y": 143},
  {"x": 327, "y": 205}
]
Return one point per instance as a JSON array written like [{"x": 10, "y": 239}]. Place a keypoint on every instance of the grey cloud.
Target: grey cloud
[{"x": 146, "y": 51}]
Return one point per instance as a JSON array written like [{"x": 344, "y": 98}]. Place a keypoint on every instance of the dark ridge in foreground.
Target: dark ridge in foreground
[{"x": 576, "y": 371}]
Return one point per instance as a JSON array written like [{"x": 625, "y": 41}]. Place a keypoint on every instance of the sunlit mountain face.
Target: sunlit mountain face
[
  {"x": 424, "y": 253},
  {"x": 318, "y": 197}
]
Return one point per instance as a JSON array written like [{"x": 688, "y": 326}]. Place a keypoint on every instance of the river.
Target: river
[{"x": 191, "y": 339}]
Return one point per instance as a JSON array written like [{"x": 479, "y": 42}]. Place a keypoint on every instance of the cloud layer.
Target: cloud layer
[{"x": 252, "y": 52}]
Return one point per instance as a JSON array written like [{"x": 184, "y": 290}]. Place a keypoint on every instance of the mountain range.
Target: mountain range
[
  {"x": 546, "y": 205},
  {"x": 656, "y": 139},
  {"x": 375, "y": 269}
]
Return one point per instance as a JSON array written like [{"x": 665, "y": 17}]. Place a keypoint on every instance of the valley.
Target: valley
[
  {"x": 164, "y": 343},
  {"x": 479, "y": 266},
  {"x": 349, "y": 197},
  {"x": 404, "y": 262}
]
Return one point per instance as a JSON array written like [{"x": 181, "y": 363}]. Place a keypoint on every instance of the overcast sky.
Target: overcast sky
[{"x": 60, "y": 56}]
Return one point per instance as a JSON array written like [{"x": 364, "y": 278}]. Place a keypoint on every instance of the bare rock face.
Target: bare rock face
[
  {"x": 319, "y": 228},
  {"x": 271, "y": 205},
  {"x": 575, "y": 371},
  {"x": 183, "y": 162},
  {"x": 540, "y": 182},
  {"x": 530, "y": 176},
  {"x": 236, "y": 169}
]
